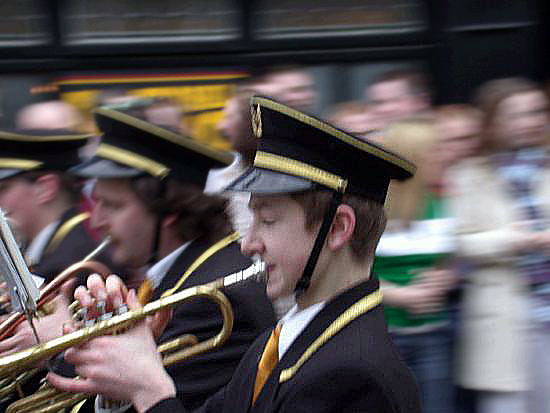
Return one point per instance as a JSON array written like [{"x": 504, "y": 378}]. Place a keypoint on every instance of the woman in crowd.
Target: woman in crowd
[
  {"x": 501, "y": 201},
  {"x": 411, "y": 261}
]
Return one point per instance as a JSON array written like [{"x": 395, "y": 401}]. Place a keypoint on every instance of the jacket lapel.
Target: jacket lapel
[
  {"x": 267, "y": 397},
  {"x": 184, "y": 261}
]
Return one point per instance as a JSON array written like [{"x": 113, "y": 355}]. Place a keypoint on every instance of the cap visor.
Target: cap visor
[
  {"x": 263, "y": 181},
  {"x": 104, "y": 168},
  {"x": 8, "y": 173}
]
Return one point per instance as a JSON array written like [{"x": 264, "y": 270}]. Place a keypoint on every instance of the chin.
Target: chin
[
  {"x": 119, "y": 258},
  {"x": 275, "y": 292}
]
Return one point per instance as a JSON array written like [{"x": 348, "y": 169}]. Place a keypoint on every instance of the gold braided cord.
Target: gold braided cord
[
  {"x": 167, "y": 135},
  {"x": 291, "y": 166},
  {"x": 65, "y": 229},
  {"x": 343, "y": 136},
  {"x": 362, "y": 306},
  {"x": 13, "y": 163},
  {"x": 224, "y": 242},
  {"x": 132, "y": 159}
]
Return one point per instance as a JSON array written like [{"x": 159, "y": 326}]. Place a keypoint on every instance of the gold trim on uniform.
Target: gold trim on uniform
[
  {"x": 19, "y": 163},
  {"x": 224, "y": 242},
  {"x": 256, "y": 120},
  {"x": 291, "y": 166},
  {"x": 64, "y": 229},
  {"x": 362, "y": 306},
  {"x": 165, "y": 134},
  {"x": 132, "y": 159},
  {"x": 316, "y": 123}
]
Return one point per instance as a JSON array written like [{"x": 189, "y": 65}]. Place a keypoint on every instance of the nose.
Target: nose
[
  {"x": 98, "y": 220},
  {"x": 251, "y": 245}
]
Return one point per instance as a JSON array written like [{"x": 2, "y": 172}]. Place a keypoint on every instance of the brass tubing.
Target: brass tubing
[
  {"x": 10, "y": 324},
  {"x": 50, "y": 400},
  {"x": 49, "y": 291},
  {"x": 22, "y": 360},
  {"x": 9, "y": 385}
]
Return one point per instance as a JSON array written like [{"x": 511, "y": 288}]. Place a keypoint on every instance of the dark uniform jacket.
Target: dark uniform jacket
[
  {"x": 202, "y": 376},
  {"x": 70, "y": 242},
  {"x": 356, "y": 370}
]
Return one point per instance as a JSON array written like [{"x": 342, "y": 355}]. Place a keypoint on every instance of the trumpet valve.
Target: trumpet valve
[{"x": 121, "y": 309}]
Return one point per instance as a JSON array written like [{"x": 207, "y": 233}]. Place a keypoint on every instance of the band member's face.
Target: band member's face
[
  {"x": 278, "y": 234},
  {"x": 119, "y": 213},
  {"x": 18, "y": 201}
]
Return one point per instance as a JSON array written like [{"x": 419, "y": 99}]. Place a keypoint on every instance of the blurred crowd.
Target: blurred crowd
[{"x": 465, "y": 259}]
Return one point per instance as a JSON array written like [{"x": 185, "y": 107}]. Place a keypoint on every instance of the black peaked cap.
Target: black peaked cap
[
  {"x": 131, "y": 147},
  {"x": 27, "y": 150},
  {"x": 298, "y": 152}
]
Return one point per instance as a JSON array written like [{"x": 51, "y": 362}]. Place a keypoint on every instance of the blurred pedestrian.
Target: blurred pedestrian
[
  {"x": 399, "y": 94},
  {"x": 501, "y": 201},
  {"x": 412, "y": 263}
]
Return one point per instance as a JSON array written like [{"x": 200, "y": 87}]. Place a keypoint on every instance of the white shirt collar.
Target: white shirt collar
[
  {"x": 35, "y": 250},
  {"x": 294, "y": 322},
  {"x": 157, "y": 272}
]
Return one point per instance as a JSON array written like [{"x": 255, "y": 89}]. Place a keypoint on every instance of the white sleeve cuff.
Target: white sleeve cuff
[{"x": 100, "y": 402}]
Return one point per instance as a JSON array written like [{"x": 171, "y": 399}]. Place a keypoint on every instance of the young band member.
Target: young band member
[
  {"x": 40, "y": 197},
  {"x": 317, "y": 199},
  {"x": 150, "y": 201}
]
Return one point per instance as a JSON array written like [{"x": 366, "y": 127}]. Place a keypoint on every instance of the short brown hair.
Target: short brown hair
[
  {"x": 198, "y": 214},
  {"x": 369, "y": 225}
]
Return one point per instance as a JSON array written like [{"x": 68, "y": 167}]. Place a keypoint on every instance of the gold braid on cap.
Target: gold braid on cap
[
  {"x": 26, "y": 164},
  {"x": 337, "y": 133},
  {"x": 133, "y": 160},
  {"x": 256, "y": 113},
  {"x": 303, "y": 170}
]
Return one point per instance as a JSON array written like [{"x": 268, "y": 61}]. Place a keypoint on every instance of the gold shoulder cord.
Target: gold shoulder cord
[
  {"x": 362, "y": 306},
  {"x": 64, "y": 229},
  {"x": 202, "y": 258}
]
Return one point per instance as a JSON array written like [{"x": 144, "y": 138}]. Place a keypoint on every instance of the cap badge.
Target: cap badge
[{"x": 256, "y": 120}]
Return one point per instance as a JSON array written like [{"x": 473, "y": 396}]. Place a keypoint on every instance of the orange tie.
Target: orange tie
[
  {"x": 145, "y": 291},
  {"x": 269, "y": 360}
]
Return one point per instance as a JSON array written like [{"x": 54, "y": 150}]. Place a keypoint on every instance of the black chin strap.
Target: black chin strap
[
  {"x": 303, "y": 283},
  {"x": 153, "y": 258}
]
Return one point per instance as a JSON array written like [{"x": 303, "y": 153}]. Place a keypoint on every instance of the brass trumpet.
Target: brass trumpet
[
  {"x": 172, "y": 352},
  {"x": 50, "y": 290},
  {"x": 13, "y": 383}
]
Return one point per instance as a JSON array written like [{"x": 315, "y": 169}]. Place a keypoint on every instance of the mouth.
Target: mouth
[
  {"x": 269, "y": 269},
  {"x": 113, "y": 243}
]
